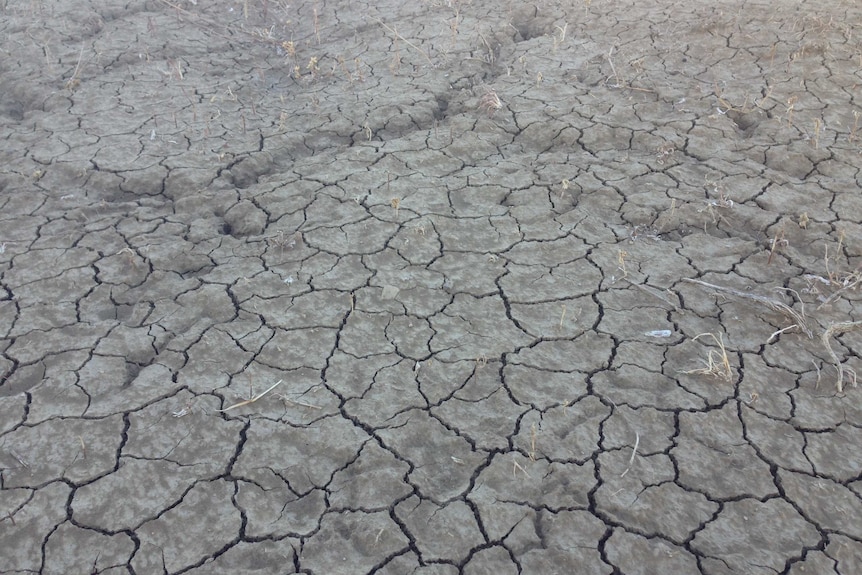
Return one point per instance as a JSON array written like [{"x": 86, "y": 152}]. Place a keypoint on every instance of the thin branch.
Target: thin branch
[
  {"x": 252, "y": 400},
  {"x": 838, "y": 329},
  {"x": 634, "y": 453}
]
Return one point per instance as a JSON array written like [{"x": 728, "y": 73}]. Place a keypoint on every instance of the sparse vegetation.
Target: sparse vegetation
[
  {"x": 717, "y": 361},
  {"x": 797, "y": 317},
  {"x": 836, "y": 329},
  {"x": 75, "y": 80}
]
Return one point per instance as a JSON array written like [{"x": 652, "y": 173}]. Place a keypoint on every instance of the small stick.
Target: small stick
[
  {"x": 634, "y": 453},
  {"x": 72, "y": 83},
  {"x": 838, "y": 329},
  {"x": 780, "y": 331},
  {"x": 851, "y": 282},
  {"x": 252, "y": 400},
  {"x": 516, "y": 467},
  {"x": 20, "y": 459},
  {"x": 533, "y": 442},
  {"x": 613, "y": 68},
  {"x": 817, "y": 367},
  {"x": 817, "y": 124},
  {"x": 295, "y": 402},
  {"x": 777, "y": 241}
]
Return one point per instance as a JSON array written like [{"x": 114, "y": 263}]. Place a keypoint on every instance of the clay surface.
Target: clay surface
[{"x": 433, "y": 286}]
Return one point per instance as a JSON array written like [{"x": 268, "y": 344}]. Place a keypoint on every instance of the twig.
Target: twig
[
  {"x": 616, "y": 76},
  {"x": 19, "y": 459},
  {"x": 73, "y": 82},
  {"x": 252, "y": 400},
  {"x": 780, "y": 331},
  {"x": 851, "y": 282},
  {"x": 817, "y": 367},
  {"x": 838, "y": 329},
  {"x": 10, "y": 516},
  {"x": 775, "y": 305},
  {"x": 516, "y": 467},
  {"x": 613, "y": 68},
  {"x": 295, "y": 402},
  {"x": 634, "y": 453}
]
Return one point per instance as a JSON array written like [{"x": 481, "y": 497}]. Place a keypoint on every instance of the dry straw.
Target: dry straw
[
  {"x": 834, "y": 329},
  {"x": 250, "y": 400},
  {"x": 797, "y": 317},
  {"x": 717, "y": 362},
  {"x": 838, "y": 329}
]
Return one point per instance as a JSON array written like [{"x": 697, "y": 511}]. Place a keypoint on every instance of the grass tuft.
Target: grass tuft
[{"x": 717, "y": 362}]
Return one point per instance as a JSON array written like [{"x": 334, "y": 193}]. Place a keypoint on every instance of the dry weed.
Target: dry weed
[
  {"x": 252, "y": 399},
  {"x": 777, "y": 242},
  {"x": 713, "y": 206},
  {"x": 75, "y": 80},
  {"x": 717, "y": 362},
  {"x": 842, "y": 282},
  {"x": 775, "y": 305},
  {"x": 490, "y": 102},
  {"x": 837, "y": 329}
]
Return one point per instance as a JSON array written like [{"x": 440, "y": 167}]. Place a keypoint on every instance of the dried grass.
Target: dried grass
[
  {"x": 838, "y": 329},
  {"x": 717, "y": 362},
  {"x": 850, "y": 282},
  {"x": 250, "y": 400},
  {"x": 797, "y": 317}
]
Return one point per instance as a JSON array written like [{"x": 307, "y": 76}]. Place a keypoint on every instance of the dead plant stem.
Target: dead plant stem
[{"x": 774, "y": 305}]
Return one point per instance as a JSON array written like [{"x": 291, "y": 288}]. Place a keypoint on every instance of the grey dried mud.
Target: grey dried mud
[{"x": 462, "y": 234}]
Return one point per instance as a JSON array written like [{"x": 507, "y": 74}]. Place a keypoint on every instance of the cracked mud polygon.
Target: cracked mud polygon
[{"x": 430, "y": 287}]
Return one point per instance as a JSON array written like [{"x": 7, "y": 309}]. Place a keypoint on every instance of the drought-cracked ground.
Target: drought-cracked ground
[{"x": 430, "y": 287}]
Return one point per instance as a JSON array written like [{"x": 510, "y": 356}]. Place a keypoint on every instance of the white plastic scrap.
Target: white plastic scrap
[{"x": 658, "y": 333}]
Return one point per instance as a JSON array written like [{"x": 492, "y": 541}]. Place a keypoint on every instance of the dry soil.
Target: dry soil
[{"x": 405, "y": 287}]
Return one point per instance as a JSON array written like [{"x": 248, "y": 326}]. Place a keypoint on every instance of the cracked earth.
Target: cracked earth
[{"x": 433, "y": 287}]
